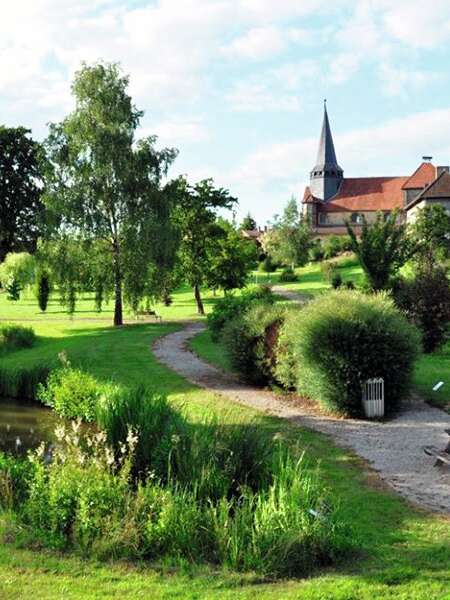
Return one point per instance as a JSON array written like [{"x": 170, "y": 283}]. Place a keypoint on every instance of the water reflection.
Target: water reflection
[{"x": 24, "y": 425}]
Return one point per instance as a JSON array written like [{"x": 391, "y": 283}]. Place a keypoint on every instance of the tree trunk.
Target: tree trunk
[
  {"x": 198, "y": 299},
  {"x": 118, "y": 316}
]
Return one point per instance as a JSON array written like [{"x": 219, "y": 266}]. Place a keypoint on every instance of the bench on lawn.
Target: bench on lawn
[{"x": 148, "y": 313}]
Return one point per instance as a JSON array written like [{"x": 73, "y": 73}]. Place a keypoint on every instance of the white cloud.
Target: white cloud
[
  {"x": 179, "y": 130},
  {"x": 256, "y": 96},
  {"x": 399, "y": 82},
  {"x": 417, "y": 24},
  {"x": 264, "y": 42}
]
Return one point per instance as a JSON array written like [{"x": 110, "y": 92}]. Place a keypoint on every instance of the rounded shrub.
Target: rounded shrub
[
  {"x": 334, "y": 344},
  {"x": 287, "y": 275},
  {"x": 230, "y": 307}
]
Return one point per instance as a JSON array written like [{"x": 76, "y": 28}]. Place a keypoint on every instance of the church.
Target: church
[{"x": 331, "y": 199}]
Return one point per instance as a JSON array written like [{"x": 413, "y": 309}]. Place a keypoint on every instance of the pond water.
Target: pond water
[{"x": 24, "y": 425}]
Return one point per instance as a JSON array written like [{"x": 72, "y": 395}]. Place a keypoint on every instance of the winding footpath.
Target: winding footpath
[{"x": 394, "y": 449}]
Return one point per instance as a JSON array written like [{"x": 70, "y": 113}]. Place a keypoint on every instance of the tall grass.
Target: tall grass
[
  {"x": 22, "y": 382},
  {"x": 217, "y": 459},
  {"x": 14, "y": 337}
]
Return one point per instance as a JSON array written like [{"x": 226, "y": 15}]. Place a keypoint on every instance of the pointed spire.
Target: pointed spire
[
  {"x": 326, "y": 155},
  {"x": 327, "y": 175}
]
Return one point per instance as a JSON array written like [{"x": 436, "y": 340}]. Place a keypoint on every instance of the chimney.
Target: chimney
[
  {"x": 440, "y": 170},
  {"x": 427, "y": 158}
]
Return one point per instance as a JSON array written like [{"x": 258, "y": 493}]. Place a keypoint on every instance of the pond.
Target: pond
[{"x": 24, "y": 425}]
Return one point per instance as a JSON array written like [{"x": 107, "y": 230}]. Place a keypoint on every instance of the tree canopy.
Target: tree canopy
[
  {"x": 248, "y": 223},
  {"x": 21, "y": 209},
  {"x": 102, "y": 183},
  {"x": 196, "y": 214},
  {"x": 232, "y": 258},
  {"x": 288, "y": 239},
  {"x": 431, "y": 234},
  {"x": 382, "y": 248}
]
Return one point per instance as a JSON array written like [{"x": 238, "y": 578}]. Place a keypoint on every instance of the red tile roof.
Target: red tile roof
[
  {"x": 367, "y": 193},
  {"x": 422, "y": 176},
  {"x": 439, "y": 188}
]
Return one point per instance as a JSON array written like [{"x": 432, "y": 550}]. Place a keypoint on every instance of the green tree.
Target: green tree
[
  {"x": 196, "y": 214},
  {"x": 21, "y": 209},
  {"x": 13, "y": 289},
  {"x": 43, "y": 289},
  {"x": 382, "y": 248},
  {"x": 431, "y": 233},
  {"x": 248, "y": 223},
  {"x": 232, "y": 259},
  {"x": 288, "y": 239},
  {"x": 19, "y": 266},
  {"x": 104, "y": 184}
]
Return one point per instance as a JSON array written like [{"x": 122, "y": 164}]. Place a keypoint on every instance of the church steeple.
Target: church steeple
[{"x": 327, "y": 175}]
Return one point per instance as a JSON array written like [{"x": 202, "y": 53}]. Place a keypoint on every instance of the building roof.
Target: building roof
[
  {"x": 422, "y": 176},
  {"x": 367, "y": 193},
  {"x": 326, "y": 154},
  {"x": 437, "y": 189},
  {"x": 252, "y": 233}
]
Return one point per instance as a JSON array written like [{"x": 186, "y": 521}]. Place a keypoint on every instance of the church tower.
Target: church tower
[{"x": 327, "y": 175}]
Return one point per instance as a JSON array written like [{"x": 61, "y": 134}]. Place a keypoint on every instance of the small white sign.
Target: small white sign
[{"x": 438, "y": 386}]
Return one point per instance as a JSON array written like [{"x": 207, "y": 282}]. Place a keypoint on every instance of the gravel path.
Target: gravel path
[{"x": 394, "y": 449}]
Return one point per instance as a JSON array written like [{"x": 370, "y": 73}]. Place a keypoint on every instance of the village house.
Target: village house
[{"x": 332, "y": 199}]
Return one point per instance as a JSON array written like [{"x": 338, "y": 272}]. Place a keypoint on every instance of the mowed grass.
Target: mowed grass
[{"x": 405, "y": 552}]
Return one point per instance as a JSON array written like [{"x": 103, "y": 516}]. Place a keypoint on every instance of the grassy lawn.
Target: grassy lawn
[{"x": 405, "y": 552}]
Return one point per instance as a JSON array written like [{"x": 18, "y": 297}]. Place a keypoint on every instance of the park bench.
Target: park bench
[
  {"x": 442, "y": 456},
  {"x": 148, "y": 313}
]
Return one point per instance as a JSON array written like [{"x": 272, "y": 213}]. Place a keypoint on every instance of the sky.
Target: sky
[{"x": 238, "y": 85}]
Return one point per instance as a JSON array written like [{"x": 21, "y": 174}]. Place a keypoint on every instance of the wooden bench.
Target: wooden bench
[
  {"x": 149, "y": 313},
  {"x": 442, "y": 456}
]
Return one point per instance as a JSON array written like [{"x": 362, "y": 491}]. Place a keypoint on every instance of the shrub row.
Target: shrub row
[{"x": 327, "y": 349}]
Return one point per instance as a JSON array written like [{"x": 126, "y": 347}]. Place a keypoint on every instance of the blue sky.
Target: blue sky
[{"x": 238, "y": 85}]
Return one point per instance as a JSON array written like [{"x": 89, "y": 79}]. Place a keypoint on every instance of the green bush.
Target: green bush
[
  {"x": 229, "y": 307},
  {"x": 267, "y": 265},
  {"x": 332, "y": 246},
  {"x": 71, "y": 393},
  {"x": 85, "y": 500},
  {"x": 426, "y": 302},
  {"x": 15, "y": 474},
  {"x": 341, "y": 339},
  {"x": 250, "y": 342},
  {"x": 329, "y": 269},
  {"x": 315, "y": 252},
  {"x": 287, "y": 275},
  {"x": 14, "y": 337}
]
